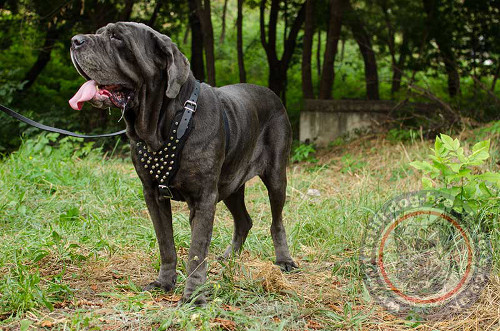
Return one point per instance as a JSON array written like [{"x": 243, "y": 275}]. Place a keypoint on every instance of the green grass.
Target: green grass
[{"x": 77, "y": 243}]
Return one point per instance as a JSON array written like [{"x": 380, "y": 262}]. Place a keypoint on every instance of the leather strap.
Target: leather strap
[
  {"x": 26, "y": 120},
  {"x": 164, "y": 163}
]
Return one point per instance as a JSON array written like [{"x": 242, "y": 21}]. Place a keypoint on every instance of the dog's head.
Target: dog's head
[{"x": 121, "y": 60}]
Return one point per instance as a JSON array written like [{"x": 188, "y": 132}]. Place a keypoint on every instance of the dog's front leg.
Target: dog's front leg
[
  {"x": 201, "y": 219},
  {"x": 161, "y": 215}
]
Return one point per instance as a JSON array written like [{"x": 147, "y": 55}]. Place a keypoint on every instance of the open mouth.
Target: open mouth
[{"x": 98, "y": 94}]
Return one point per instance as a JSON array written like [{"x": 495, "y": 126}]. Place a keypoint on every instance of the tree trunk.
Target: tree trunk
[
  {"x": 197, "y": 64},
  {"x": 204, "y": 14},
  {"x": 127, "y": 11},
  {"x": 365, "y": 47},
  {"x": 156, "y": 10},
  {"x": 332, "y": 40},
  {"x": 318, "y": 56},
  {"x": 450, "y": 66},
  {"x": 43, "y": 57},
  {"x": 239, "y": 43},
  {"x": 397, "y": 73},
  {"x": 307, "y": 86},
  {"x": 278, "y": 67},
  {"x": 223, "y": 32}
]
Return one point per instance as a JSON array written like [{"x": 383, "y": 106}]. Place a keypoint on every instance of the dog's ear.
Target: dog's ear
[{"x": 177, "y": 65}]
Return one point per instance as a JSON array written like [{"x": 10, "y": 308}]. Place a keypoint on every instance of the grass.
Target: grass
[{"x": 77, "y": 245}]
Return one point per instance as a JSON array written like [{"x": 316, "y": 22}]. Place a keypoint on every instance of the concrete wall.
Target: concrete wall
[{"x": 321, "y": 121}]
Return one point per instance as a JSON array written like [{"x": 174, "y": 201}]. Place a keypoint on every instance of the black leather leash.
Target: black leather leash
[{"x": 26, "y": 120}]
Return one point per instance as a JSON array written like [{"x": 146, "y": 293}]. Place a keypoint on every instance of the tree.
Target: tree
[
  {"x": 307, "y": 85},
  {"x": 332, "y": 40},
  {"x": 204, "y": 14},
  {"x": 354, "y": 21},
  {"x": 239, "y": 42},
  {"x": 278, "y": 67},
  {"x": 197, "y": 65}
]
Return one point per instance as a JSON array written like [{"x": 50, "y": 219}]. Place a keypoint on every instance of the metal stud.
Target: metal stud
[
  {"x": 161, "y": 160},
  {"x": 172, "y": 155},
  {"x": 148, "y": 162},
  {"x": 176, "y": 123},
  {"x": 150, "y": 172},
  {"x": 140, "y": 152},
  {"x": 168, "y": 173},
  {"x": 164, "y": 177},
  {"x": 177, "y": 140},
  {"x": 160, "y": 152},
  {"x": 171, "y": 162},
  {"x": 146, "y": 166},
  {"x": 161, "y": 168},
  {"x": 150, "y": 157},
  {"x": 168, "y": 145},
  {"x": 161, "y": 180},
  {"x": 157, "y": 165},
  {"x": 174, "y": 147},
  {"x": 154, "y": 153},
  {"x": 156, "y": 176},
  {"x": 156, "y": 159},
  {"x": 142, "y": 160},
  {"x": 169, "y": 168},
  {"x": 158, "y": 172},
  {"x": 174, "y": 131},
  {"x": 171, "y": 138},
  {"x": 152, "y": 167}
]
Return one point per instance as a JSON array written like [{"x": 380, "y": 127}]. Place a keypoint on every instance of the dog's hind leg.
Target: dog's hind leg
[
  {"x": 274, "y": 177},
  {"x": 242, "y": 221}
]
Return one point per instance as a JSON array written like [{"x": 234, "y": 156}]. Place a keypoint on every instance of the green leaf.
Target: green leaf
[
  {"x": 449, "y": 143},
  {"x": 426, "y": 183},
  {"x": 493, "y": 177},
  {"x": 455, "y": 167},
  {"x": 422, "y": 165},
  {"x": 25, "y": 324}
]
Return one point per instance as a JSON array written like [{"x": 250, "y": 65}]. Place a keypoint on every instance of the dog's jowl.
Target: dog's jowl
[{"x": 190, "y": 142}]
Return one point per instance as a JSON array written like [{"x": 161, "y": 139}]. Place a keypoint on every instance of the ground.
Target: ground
[{"x": 77, "y": 245}]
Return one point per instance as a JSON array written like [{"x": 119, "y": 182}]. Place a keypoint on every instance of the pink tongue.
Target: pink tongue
[{"x": 86, "y": 92}]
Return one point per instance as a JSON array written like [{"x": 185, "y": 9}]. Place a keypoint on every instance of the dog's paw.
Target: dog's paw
[
  {"x": 287, "y": 266},
  {"x": 167, "y": 287},
  {"x": 199, "y": 300}
]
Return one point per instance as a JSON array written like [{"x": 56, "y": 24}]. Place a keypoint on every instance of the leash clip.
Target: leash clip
[{"x": 192, "y": 104}]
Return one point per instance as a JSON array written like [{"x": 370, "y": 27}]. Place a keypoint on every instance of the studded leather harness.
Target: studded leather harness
[{"x": 164, "y": 163}]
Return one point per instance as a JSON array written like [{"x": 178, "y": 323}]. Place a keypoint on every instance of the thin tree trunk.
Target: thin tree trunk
[
  {"x": 278, "y": 67},
  {"x": 365, "y": 47},
  {"x": 204, "y": 14},
  {"x": 318, "y": 56},
  {"x": 223, "y": 32},
  {"x": 127, "y": 11},
  {"x": 307, "y": 86},
  {"x": 197, "y": 64},
  {"x": 43, "y": 57},
  {"x": 495, "y": 77},
  {"x": 154, "y": 16},
  {"x": 239, "y": 42},
  {"x": 397, "y": 73},
  {"x": 332, "y": 40}
]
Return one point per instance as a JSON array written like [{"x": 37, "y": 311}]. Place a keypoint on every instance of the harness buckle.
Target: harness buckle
[
  {"x": 165, "y": 191},
  {"x": 192, "y": 104}
]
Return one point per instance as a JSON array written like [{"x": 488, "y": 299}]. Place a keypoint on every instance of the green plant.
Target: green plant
[
  {"x": 455, "y": 172},
  {"x": 304, "y": 152}
]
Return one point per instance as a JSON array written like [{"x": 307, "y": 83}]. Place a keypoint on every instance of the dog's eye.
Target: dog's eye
[{"x": 114, "y": 37}]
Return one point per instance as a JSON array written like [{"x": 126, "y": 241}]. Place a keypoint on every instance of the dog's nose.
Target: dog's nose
[{"x": 78, "y": 40}]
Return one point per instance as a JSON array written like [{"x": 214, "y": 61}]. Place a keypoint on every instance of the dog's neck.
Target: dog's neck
[{"x": 150, "y": 120}]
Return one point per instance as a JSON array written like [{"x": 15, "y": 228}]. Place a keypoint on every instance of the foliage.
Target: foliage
[
  {"x": 454, "y": 172},
  {"x": 304, "y": 153}
]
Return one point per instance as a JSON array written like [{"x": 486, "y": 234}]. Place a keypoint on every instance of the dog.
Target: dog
[{"x": 133, "y": 67}]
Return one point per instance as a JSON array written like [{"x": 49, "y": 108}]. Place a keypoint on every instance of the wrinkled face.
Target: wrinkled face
[{"x": 119, "y": 59}]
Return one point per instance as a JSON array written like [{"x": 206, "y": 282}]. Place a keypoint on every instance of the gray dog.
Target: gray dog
[{"x": 133, "y": 67}]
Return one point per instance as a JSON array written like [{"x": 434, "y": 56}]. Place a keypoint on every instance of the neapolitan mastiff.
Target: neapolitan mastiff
[{"x": 133, "y": 67}]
